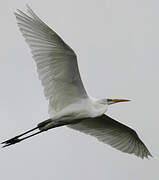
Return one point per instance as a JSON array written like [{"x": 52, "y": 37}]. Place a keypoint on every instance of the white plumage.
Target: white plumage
[
  {"x": 56, "y": 62},
  {"x": 69, "y": 103}
]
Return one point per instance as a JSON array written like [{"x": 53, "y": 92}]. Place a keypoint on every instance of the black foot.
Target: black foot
[{"x": 11, "y": 141}]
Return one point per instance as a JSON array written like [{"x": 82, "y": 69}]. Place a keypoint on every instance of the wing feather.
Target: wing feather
[
  {"x": 113, "y": 133},
  {"x": 56, "y": 61}
]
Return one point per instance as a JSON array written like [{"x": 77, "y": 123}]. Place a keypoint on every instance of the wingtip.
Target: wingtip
[
  {"x": 28, "y": 6},
  {"x": 150, "y": 156},
  {"x": 19, "y": 11},
  {"x": 147, "y": 156}
]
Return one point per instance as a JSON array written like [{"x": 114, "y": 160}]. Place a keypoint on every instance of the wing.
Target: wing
[
  {"x": 114, "y": 133},
  {"x": 56, "y": 61}
]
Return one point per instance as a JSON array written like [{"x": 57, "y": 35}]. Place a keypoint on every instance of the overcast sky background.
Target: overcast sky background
[{"x": 117, "y": 43}]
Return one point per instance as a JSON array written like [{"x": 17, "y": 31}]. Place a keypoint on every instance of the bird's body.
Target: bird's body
[
  {"x": 69, "y": 103},
  {"x": 83, "y": 108}
]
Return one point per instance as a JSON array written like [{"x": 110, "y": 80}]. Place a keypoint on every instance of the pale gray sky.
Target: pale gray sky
[{"x": 117, "y": 43}]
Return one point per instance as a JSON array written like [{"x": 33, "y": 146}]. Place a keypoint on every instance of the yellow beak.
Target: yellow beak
[{"x": 120, "y": 100}]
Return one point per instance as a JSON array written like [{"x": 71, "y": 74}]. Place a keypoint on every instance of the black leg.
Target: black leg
[{"x": 17, "y": 138}]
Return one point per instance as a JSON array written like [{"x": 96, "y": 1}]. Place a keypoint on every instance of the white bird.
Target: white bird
[{"x": 69, "y": 103}]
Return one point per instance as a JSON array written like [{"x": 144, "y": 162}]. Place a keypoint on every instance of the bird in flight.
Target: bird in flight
[{"x": 69, "y": 103}]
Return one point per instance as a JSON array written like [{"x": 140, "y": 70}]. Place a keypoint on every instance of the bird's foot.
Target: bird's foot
[{"x": 11, "y": 141}]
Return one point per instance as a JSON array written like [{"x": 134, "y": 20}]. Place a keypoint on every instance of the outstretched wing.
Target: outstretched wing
[
  {"x": 114, "y": 133},
  {"x": 56, "y": 61}
]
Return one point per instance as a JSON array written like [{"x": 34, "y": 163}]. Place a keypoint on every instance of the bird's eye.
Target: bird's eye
[{"x": 109, "y": 100}]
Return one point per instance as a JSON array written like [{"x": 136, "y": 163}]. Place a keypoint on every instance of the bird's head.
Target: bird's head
[{"x": 113, "y": 101}]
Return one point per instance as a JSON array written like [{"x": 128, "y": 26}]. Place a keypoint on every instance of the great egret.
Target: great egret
[{"x": 69, "y": 103}]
